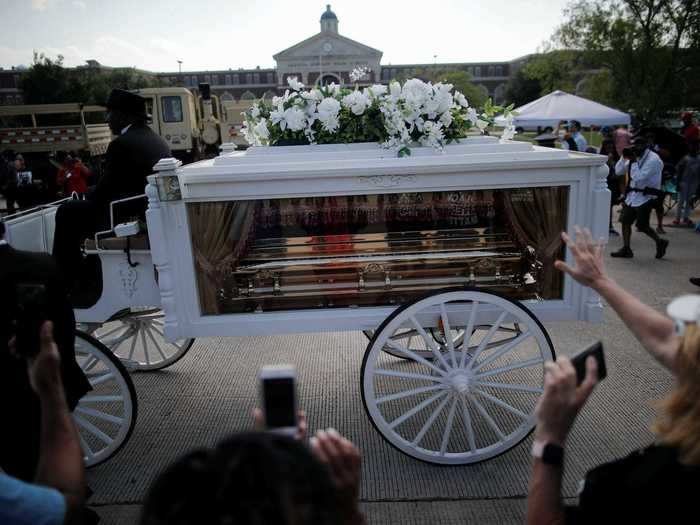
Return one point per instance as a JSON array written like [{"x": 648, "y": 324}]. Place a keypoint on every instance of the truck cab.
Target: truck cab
[{"x": 175, "y": 118}]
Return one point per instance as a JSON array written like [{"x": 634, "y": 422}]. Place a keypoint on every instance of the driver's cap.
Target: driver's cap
[{"x": 685, "y": 308}]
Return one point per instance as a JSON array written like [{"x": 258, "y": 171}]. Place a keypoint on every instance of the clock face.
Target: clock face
[{"x": 327, "y": 47}]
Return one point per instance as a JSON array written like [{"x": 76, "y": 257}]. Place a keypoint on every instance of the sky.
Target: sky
[{"x": 223, "y": 34}]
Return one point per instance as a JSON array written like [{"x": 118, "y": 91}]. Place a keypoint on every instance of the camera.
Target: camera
[
  {"x": 31, "y": 312},
  {"x": 628, "y": 153}
]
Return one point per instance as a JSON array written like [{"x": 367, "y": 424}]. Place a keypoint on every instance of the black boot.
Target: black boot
[{"x": 624, "y": 252}]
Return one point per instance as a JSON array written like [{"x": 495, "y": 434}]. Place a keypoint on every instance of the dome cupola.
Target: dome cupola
[{"x": 329, "y": 22}]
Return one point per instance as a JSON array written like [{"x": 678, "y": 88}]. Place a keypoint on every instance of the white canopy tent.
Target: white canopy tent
[{"x": 548, "y": 110}]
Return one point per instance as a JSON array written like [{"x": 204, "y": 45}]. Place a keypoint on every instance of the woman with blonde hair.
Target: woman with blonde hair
[{"x": 658, "y": 484}]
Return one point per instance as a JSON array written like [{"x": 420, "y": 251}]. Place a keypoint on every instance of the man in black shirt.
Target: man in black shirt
[{"x": 129, "y": 160}]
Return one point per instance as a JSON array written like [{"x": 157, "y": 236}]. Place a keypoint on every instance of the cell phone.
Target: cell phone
[
  {"x": 628, "y": 153},
  {"x": 32, "y": 311},
  {"x": 579, "y": 361},
  {"x": 278, "y": 392}
]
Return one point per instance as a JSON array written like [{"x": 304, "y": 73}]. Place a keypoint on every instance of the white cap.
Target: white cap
[{"x": 685, "y": 308}]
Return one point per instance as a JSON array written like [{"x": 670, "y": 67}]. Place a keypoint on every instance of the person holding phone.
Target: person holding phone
[
  {"x": 21, "y": 271},
  {"x": 57, "y": 494},
  {"x": 657, "y": 484},
  {"x": 267, "y": 476}
]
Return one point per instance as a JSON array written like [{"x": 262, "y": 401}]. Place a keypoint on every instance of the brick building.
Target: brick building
[{"x": 324, "y": 57}]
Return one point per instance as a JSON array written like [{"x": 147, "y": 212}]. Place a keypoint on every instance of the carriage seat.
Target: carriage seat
[{"x": 137, "y": 242}]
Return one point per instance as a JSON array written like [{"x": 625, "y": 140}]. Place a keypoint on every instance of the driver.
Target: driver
[{"x": 129, "y": 160}]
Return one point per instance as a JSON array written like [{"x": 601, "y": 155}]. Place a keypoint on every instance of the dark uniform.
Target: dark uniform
[
  {"x": 19, "y": 405},
  {"x": 129, "y": 160}
]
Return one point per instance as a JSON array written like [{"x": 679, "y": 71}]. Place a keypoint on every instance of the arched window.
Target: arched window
[
  {"x": 269, "y": 94},
  {"x": 227, "y": 97},
  {"x": 329, "y": 78},
  {"x": 248, "y": 95}
]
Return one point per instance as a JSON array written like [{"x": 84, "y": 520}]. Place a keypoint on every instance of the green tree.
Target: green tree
[
  {"x": 554, "y": 69},
  {"x": 48, "y": 82},
  {"x": 644, "y": 47},
  {"x": 521, "y": 89}
]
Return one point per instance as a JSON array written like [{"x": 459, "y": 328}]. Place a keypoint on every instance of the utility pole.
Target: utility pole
[{"x": 179, "y": 66}]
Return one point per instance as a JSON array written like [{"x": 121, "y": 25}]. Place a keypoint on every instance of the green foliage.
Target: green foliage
[
  {"x": 648, "y": 49},
  {"x": 521, "y": 89},
  {"x": 556, "y": 69},
  {"x": 48, "y": 82}
]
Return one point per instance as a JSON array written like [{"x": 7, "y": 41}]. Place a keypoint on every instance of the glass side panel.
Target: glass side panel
[{"x": 377, "y": 249}]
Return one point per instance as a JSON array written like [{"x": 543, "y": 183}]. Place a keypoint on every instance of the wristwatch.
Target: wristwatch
[{"x": 549, "y": 453}]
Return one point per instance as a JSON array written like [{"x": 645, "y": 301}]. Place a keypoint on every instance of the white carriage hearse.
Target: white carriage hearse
[{"x": 444, "y": 260}]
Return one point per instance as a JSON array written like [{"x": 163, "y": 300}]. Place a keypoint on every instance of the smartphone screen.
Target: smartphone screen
[
  {"x": 579, "y": 361},
  {"x": 278, "y": 393}
]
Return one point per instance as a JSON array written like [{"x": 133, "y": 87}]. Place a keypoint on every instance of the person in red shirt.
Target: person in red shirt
[
  {"x": 73, "y": 176},
  {"x": 690, "y": 130}
]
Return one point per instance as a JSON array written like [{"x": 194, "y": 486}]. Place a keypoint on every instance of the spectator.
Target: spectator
[
  {"x": 575, "y": 129},
  {"x": 72, "y": 177},
  {"x": 19, "y": 449},
  {"x": 622, "y": 139},
  {"x": 256, "y": 478},
  {"x": 689, "y": 130},
  {"x": 57, "y": 494},
  {"x": 688, "y": 170},
  {"x": 566, "y": 137},
  {"x": 615, "y": 183},
  {"x": 643, "y": 168},
  {"x": 657, "y": 484},
  {"x": 8, "y": 180},
  {"x": 658, "y": 200},
  {"x": 27, "y": 190}
]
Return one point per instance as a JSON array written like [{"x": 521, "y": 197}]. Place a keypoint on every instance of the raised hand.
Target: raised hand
[{"x": 588, "y": 258}]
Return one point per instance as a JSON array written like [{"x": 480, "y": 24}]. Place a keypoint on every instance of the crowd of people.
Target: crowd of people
[
  {"x": 262, "y": 477},
  {"x": 643, "y": 170}
]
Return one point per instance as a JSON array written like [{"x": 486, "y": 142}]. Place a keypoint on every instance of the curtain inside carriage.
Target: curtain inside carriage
[
  {"x": 537, "y": 216},
  {"x": 220, "y": 234}
]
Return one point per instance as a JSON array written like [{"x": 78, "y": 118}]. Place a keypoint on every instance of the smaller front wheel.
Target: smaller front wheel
[{"x": 105, "y": 416}]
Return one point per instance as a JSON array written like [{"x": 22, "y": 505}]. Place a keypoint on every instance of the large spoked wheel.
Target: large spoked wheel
[
  {"x": 472, "y": 398},
  {"x": 137, "y": 339},
  {"x": 106, "y": 415}
]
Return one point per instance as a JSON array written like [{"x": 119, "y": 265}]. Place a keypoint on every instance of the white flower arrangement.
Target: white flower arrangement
[{"x": 396, "y": 116}]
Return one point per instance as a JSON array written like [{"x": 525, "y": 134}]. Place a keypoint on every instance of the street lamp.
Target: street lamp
[{"x": 179, "y": 66}]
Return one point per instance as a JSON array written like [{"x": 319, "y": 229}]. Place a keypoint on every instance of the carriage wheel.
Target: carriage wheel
[
  {"x": 468, "y": 402},
  {"x": 137, "y": 339},
  {"x": 106, "y": 415}
]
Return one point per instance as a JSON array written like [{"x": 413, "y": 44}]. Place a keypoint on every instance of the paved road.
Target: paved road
[{"x": 212, "y": 390}]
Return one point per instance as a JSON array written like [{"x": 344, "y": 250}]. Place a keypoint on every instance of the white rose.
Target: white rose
[
  {"x": 461, "y": 99},
  {"x": 328, "y": 107},
  {"x": 378, "y": 90},
  {"x": 295, "y": 119},
  {"x": 295, "y": 84},
  {"x": 357, "y": 102}
]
